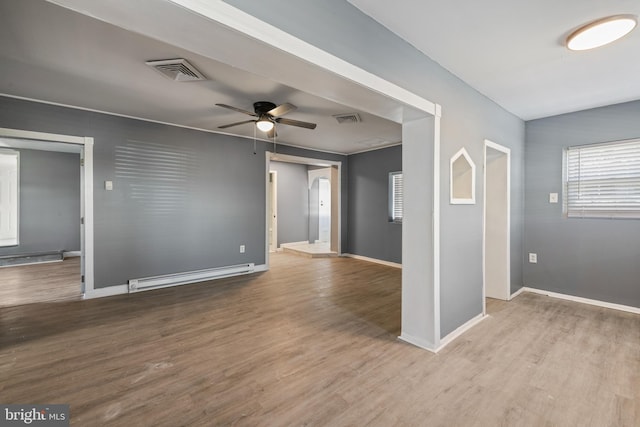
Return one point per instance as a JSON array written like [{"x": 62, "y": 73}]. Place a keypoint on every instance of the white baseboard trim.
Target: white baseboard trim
[
  {"x": 460, "y": 330},
  {"x": 516, "y": 293},
  {"x": 30, "y": 263},
  {"x": 418, "y": 342},
  {"x": 71, "y": 254},
  {"x": 374, "y": 260},
  {"x": 124, "y": 289},
  {"x": 613, "y": 306},
  {"x": 261, "y": 267},
  {"x": 106, "y": 292}
]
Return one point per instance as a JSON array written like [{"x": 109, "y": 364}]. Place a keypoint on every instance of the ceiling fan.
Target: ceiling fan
[{"x": 268, "y": 114}]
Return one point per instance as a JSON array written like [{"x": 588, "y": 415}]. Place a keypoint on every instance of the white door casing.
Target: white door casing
[{"x": 496, "y": 222}]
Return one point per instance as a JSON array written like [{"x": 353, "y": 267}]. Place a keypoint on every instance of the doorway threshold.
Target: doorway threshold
[{"x": 309, "y": 250}]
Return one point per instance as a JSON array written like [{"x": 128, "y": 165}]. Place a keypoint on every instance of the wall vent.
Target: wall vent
[
  {"x": 348, "y": 118},
  {"x": 179, "y": 70}
]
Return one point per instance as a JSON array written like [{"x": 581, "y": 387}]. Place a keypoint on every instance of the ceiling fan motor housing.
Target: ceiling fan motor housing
[{"x": 262, "y": 107}]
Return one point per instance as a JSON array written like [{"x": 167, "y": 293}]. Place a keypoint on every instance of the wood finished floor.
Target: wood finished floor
[
  {"x": 313, "y": 342},
  {"x": 37, "y": 283}
]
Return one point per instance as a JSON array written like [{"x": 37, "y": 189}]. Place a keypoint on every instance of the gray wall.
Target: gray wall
[
  {"x": 293, "y": 202},
  {"x": 49, "y": 203},
  {"x": 159, "y": 219},
  {"x": 468, "y": 118},
  {"x": 591, "y": 258},
  {"x": 370, "y": 232}
]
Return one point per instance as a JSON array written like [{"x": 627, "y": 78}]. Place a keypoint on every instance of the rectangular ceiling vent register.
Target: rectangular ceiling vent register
[
  {"x": 348, "y": 118},
  {"x": 179, "y": 70}
]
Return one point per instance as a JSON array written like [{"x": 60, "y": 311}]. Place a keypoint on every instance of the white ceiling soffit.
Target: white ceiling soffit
[
  {"x": 60, "y": 63},
  {"x": 169, "y": 20},
  {"x": 513, "y": 51}
]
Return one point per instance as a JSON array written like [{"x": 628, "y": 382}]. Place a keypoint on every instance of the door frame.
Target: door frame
[
  {"x": 11, "y": 151},
  {"x": 507, "y": 151},
  {"x": 320, "y": 194},
  {"x": 85, "y": 146},
  {"x": 286, "y": 158},
  {"x": 272, "y": 207}
]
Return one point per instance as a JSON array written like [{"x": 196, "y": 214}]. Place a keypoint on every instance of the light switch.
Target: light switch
[
  {"x": 108, "y": 185},
  {"x": 553, "y": 197}
]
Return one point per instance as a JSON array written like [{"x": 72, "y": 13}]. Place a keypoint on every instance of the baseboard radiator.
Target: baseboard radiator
[{"x": 157, "y": 282}]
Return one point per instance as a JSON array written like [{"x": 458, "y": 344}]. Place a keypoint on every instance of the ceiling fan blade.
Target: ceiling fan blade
[
  {"x": 272, "y": 133},
  {"x": 281, "y": 110},
  {"x": 239, "y": 110},
  {"x": 235, "y": 124},
  {"x": 298, "y": 123}
]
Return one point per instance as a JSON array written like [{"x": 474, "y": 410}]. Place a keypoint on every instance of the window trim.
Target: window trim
[
  {"x": 576, "y": 210},
  {"x": 392, "y": 198}
]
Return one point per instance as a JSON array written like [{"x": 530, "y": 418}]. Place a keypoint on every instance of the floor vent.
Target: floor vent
[
  {"x": 157, "y": 282},
  {"x": 179, "y": 70}
]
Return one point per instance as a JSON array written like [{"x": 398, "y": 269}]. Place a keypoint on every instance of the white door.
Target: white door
[
  {"x": 324, "y": 210},
  {"x": 496, "y": 221}
]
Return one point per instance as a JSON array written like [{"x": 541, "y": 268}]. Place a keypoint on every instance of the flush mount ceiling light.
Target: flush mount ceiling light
[
  {"x": 601, "y": 32},
  {"x": 264, "y": 124}
]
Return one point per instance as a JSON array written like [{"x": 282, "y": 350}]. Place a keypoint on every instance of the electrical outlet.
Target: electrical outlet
[
  {"x": 533, "y": 258},
  {"x": 242, "y": 249},
  {"x": 108, "y": 185},
  {"x": 553, "y": 197}
]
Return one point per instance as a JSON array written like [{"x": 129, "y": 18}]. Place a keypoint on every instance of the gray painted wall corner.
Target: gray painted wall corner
[{"x": 589, "y": 258}]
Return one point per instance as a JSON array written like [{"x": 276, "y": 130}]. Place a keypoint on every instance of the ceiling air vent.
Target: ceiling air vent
[
  {"x": 178, "y": 70},
  {"x": 348, "y": 118}
]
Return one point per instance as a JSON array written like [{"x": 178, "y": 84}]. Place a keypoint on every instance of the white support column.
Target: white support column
[{"x": 420, "y": 233}]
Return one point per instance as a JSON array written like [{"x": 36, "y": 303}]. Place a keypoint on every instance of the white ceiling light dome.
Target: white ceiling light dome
[
  {"x": 264, "y": 124},
  {"x": 601, "y": 32}
]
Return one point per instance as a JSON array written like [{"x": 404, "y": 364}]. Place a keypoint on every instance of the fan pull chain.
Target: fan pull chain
[
  {"x": 254, "y": 140},
  {"x": 274, "y": 141}
]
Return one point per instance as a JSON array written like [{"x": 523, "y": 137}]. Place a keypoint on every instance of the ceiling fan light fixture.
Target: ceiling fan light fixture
[
  {"x": 601, "y": 32},
  {"x": 264, "y": 124}
]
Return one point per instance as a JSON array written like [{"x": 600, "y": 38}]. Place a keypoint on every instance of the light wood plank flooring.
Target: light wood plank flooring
[
  {"x": 313, "y": 342},
  {"x": 36, "y": 283}
]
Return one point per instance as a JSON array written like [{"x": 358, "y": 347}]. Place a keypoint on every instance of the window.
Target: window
[
  {"x": 602, "y": 180},
  {"x": 395, "y": 197},
  {"x": 9, "y": 197}
]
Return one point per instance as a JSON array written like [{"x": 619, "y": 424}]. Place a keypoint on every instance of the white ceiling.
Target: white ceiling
[
  {"x": 54, "y": 54},
  {"x": 513, "y": 51}
]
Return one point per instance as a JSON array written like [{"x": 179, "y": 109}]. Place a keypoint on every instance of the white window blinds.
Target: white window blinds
[
  {"x": 603, "y": 180},
  {"x": 395, "y": 196}
]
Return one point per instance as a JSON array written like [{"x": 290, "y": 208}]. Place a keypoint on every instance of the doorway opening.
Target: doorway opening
[
  {"x": 324, "y": 212},
  {"x": 496, "y": 250},
  {"x": 303, "y": 205},
  {"x": 56, "y": 179},
  {"x": 43, "y": 262}
]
